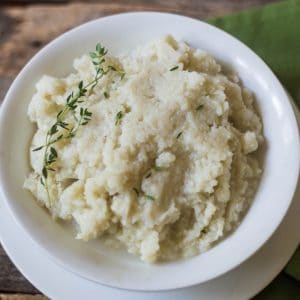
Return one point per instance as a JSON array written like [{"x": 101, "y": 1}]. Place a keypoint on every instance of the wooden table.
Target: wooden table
[{"x": 25, "y": 26}]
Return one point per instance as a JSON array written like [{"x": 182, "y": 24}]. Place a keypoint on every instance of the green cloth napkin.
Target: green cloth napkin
[{"x": 273, "y": 32}]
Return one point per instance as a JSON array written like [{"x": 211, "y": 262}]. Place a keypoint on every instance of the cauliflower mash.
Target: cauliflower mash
[{"x": 166, "y": 164}]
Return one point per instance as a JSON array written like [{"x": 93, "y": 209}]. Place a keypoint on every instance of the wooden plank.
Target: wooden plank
[
  {"x": 138, "y": 2},
  {"x": 24, "y": 29},
  {"x": 10, "y": 278},
  {"x": 22, "y": 297},
  {"x": 30, "y": 2}
]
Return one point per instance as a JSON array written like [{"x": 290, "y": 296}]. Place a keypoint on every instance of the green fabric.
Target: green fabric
[
  {"x": 293, "y": 267},
  {"x": 273, "y": 32},
  {"x": 282, "y": 288}
]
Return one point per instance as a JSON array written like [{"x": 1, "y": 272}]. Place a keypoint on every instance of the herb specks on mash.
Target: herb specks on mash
[{"x": 174, "y": 115}]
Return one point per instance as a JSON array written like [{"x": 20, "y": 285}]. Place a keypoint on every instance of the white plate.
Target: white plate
[
  {"x": 117, "y": 268},
  {"x": 241, "y": 283}
]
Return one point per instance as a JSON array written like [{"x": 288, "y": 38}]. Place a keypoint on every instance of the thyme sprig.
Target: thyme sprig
[{"x": 61, "y": 129}]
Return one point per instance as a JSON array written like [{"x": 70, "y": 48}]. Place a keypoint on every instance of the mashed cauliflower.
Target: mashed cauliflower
[{"x": 175, "y": 174}]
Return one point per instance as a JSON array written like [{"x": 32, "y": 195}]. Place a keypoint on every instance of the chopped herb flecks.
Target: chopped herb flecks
[
  {"x": 174, "y": 68},
  {"x": 119, "y": 117},
  {"x": 157, "y": 168},
  {"x": 149, "y": 197},
  {"x": 179, "y": 135},
  {"x": 106, "y": 95}
]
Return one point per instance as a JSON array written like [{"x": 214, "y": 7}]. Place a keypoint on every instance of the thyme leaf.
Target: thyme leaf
[
  {"x": 179, "y": 135},
  {"x": 119, "y": 117},
  {"x": 174, "y": 68},
  {"x": 149, "y": 197}
]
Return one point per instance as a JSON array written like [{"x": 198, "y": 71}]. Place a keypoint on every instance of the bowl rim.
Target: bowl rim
[{"x": 44, "y": 50}]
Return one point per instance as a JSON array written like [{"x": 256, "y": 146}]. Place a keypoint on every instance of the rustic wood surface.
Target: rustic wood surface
[{"x": 25, "y": 26}]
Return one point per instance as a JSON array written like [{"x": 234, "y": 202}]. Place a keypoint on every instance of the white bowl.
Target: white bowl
[{"x": 115, "y": 267}]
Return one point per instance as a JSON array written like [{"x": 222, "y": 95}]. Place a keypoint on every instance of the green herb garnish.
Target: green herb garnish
[
  {"x": 106, "y": 95},
  {"x": 157, "y": 168},
  {"x": 174, "y": 68},
  {"x": 179, "y": 135},
  {"x": 121, "y": 73},
  {"x": 145, "y": 195},
  {"x": 119, "y": 117},
  {"x": 149, "y": 197},
  {"x": 112, "y": 68},
  {"x": 74, "y": 107},
  {"x": 199, "y": 107}
]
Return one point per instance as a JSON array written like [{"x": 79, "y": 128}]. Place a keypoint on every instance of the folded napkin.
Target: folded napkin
[{"x": 273, "y": 32}]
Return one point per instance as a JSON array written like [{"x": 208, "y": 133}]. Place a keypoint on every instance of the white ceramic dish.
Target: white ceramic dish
[
  {"x": 241, "y": 283},
  {"x": 114, "y": 267}
]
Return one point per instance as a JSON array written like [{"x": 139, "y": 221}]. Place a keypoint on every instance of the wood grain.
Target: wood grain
[
  {"x": 25, "y": 28},
  {"x": 22, "y": 297},
  {"x": 11, "y": 281}
]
